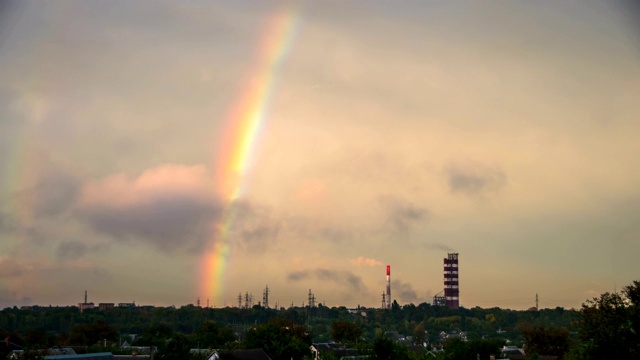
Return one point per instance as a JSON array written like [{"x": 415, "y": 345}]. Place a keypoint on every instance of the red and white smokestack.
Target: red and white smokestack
[{"x": 388, "y": 287}]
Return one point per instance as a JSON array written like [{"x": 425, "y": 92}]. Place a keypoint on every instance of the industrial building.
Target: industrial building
[
  {"x": 451, "y": 281},
  {"x": 85, "y": 305}
]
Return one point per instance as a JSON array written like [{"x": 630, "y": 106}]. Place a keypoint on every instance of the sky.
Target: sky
[{"x": 161, "y": 151}]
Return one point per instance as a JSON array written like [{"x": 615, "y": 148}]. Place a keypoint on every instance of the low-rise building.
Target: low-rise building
[{"x": 106, "y": 306}]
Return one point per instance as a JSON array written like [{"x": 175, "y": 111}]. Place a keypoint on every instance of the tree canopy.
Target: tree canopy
[{"x": 610, "y": 325}]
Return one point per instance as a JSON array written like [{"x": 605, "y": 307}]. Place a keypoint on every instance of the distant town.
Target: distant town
[
  {"x": 604, "y": 328},
  {"x": 449, "y": 297}
]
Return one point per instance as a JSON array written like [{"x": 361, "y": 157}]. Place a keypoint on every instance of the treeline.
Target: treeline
[
  {"x": 475, "y": 322},
  {"x": 606, "y": 327}
]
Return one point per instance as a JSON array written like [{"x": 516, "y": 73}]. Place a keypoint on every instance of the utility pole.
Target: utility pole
[{"x": 537, "y": 302}]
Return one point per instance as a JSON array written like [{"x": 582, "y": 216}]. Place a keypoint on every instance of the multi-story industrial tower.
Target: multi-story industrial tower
[{"x": 451, "y": 283}]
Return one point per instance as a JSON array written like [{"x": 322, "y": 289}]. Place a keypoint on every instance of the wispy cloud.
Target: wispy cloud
[
  {"x": 12, "y": 268},
  {"x": 363, "y": 261},
  {"x": 438, "y": 246},
  {"x": 404, "y": 291},
  {"x": 12, "y": 298},
  {"x": 71, "y": 249},
  {"x": 474, "y": 179},
  {"x": 402, "y": 216},
  {"x": 339, "y": 277}
]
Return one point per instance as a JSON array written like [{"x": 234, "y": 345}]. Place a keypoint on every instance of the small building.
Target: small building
[
  {"x": 337, "y": 350},
  {"x": 92, "y": 356},
  {"x": 248, "y": 354},
  {"x": 85, "y": 305},
  {"x": 106, "y": 306}
]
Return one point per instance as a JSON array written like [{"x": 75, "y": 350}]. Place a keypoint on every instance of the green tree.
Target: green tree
[
  {"x": 344, "y": 331},
  {"x": 176, "y": 348},
  {"x": 457, "y": 349},
  {"x": 419, "y": 334},
  {"x": 38, "y": 339},
  {"x": 92, "y": 333},
  {"x": 155, "y": 335},
  {"x": 610, "y": 326},
  {"x": 213, "y": 335},
  {"x": 280, "y": 339},
  {"x": 387, "y": 349},
  {"x": 546, "y": 340},
  {"x": 395, "y": 307}
]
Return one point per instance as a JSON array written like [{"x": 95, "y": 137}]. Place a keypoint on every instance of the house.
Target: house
[
  {"x": 338, "y": 350},
  {"x": 138, "y": 350},
  {"x": 92, "y": 356},
  {"x": 247, "y": 354},
  {"x": 516, "y": 353},
  {"x": 452, "y": 335}
]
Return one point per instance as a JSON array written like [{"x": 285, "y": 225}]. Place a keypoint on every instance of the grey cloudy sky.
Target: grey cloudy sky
[{"x": 507, "y": 131}]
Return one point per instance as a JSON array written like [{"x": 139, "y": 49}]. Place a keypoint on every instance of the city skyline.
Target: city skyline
[{"x": 163, "y": 152}]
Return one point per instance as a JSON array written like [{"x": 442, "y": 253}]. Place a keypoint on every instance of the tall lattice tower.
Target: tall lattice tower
[
  {"x": 265, "y": 297},
  {"x": 451, "y": 281}
]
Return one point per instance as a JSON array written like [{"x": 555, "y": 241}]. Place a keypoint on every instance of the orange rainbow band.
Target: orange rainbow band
[{"x": 244, "y": 124}]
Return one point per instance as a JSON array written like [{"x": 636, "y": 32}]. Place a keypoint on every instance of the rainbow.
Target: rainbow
[{"x": 246, "y": 118}]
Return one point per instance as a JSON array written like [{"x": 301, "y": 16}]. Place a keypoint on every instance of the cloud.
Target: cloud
[
  {"x": 474, "y": 179},
  {"x": 438, "y": 246},
  {"x": 313, "y": 229},
  {"x": 254, "y": 227},
  {"x": 12, "y": 268},
  {"x": 7, "y": 224},
  {"x": 170, "y": 207},
  {"x": 11, "y": 298},
  {"x": 338, "y": 277},
  {"x": 75, "y": 249},
  {"x": 50, "y": 191},
  {"x": 404, "y": 291},
  {"x": 363, "y": 261},
  {"x": 298, "y": 275},
  {"x": 55, "y": 194},
  {"x": 402, "y": 215}
]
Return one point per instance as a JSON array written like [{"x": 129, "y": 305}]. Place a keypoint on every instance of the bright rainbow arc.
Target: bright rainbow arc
[{"x": 244, "y": 124}]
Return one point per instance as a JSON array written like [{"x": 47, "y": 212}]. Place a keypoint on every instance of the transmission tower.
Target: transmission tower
[
  {"x": 265, "y": 297},
  {"x": 384, "y": 301},
  {"x": 312, "y": 299},
  {"x": 239, "y": 300}
]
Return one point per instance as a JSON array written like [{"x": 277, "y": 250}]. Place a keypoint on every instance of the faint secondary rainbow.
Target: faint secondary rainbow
[{"x": 243, "y": 127}]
